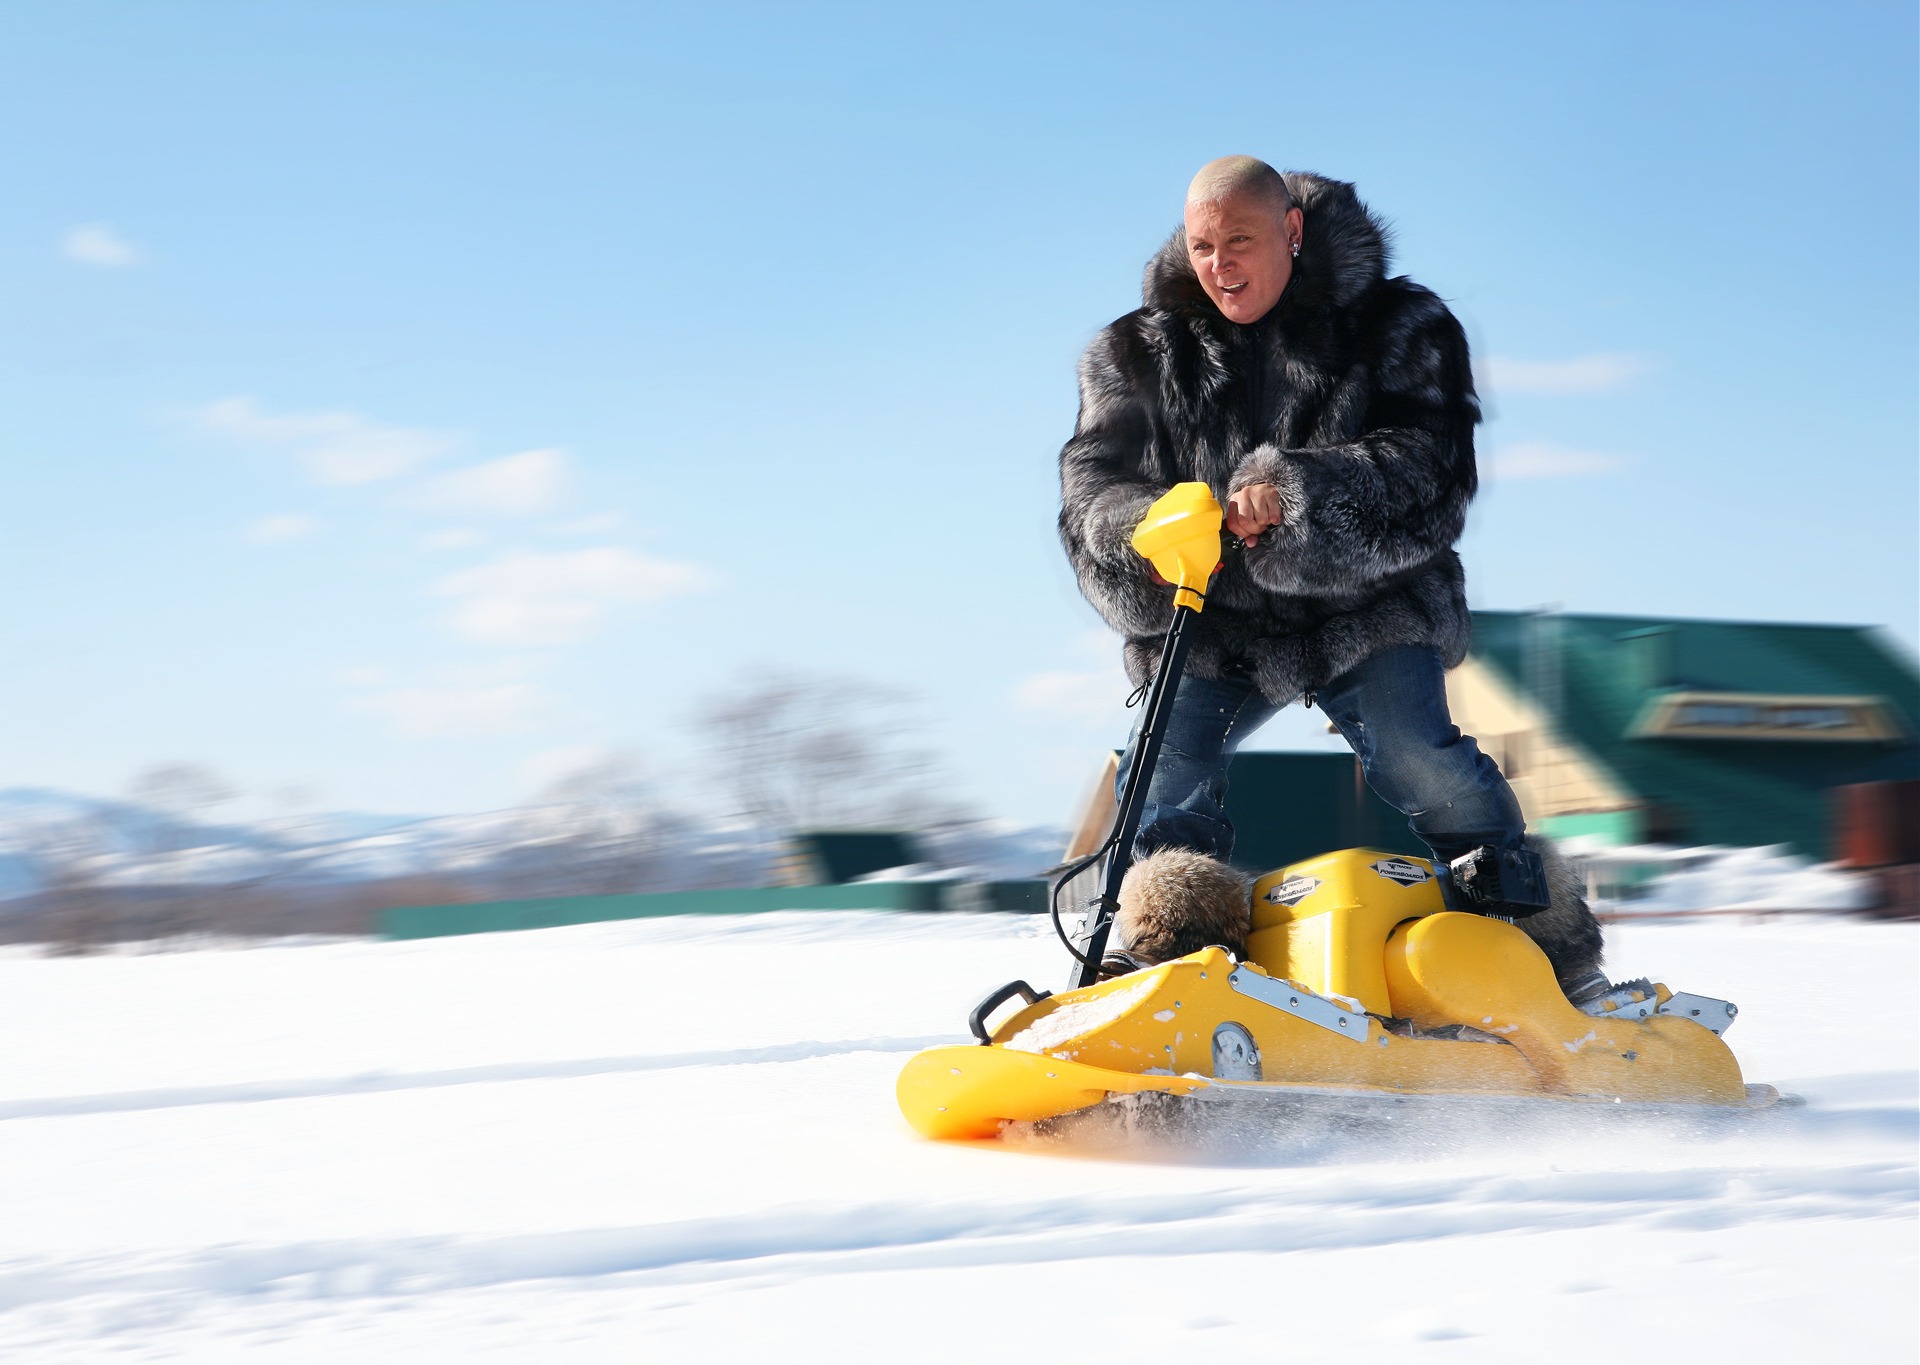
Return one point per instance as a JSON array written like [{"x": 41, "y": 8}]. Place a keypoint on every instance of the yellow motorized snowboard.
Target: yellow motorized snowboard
[{"x": 1358, "y": 981}]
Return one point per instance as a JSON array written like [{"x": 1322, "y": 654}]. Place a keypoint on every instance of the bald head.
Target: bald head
[
  {"x": 1232, "y": 177},
  {"x": 1243, "y": 232}
]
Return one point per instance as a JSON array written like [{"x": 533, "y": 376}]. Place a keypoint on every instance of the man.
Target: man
[{"x": 1331, "y": 409}]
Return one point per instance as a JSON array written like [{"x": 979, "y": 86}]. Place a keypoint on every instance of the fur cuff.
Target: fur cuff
[
  {"x": 1353, "y": 516},
  {"x": 1112, "y": 576},
  {"x": 1270, "y": 464},
  {"x": 1110, "y": 527},
  {"x": 1274, "y": 561}
]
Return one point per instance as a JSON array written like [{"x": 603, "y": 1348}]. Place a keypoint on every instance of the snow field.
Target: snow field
[{"x": 676, "y": 1140}]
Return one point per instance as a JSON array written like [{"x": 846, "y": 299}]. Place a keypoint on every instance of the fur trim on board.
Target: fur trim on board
[{"x": 1175, "y": 901}]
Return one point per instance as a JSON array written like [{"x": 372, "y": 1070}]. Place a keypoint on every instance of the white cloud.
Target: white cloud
[
  {"x": 364, "y": 675},
  {"x": 453, "y": 712},
  {"x": 1088, "y": 697},
  {"x": 337, "y": 448},
  {"x": 454, "y": 538},
  {"x": 98, "y": 244},
  {"x": 513, "y": 485},
  {"x": 550, "y": 599},
  {"x": 282, "y": 527},
  {"x": 598, "y": 524},
  {"x": 1601, "y": 372},
  {"x": 1540, "y": 460}
]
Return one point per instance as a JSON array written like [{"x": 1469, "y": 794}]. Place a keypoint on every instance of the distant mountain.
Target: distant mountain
[{"x": 50, "y": 837}]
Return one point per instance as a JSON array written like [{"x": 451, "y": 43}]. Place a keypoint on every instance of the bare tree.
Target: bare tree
[
  {"x": 69, "y": 855},
  {"x": 595, "y": 831},
  {"x": 172, "y": 802},
  {"x": 175, "y": 799},
  {"x": 180, "y": 788},
  {"x": 799, "y": 752}
]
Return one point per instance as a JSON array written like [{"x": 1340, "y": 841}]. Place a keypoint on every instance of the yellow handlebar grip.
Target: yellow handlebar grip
[{"x": 1180, "y": 537}]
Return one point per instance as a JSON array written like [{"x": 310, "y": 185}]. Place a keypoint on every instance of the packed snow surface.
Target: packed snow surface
[{"x": 677, "y": 1140}]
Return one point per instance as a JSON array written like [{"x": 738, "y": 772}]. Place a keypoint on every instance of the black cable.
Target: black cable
[
  {"x": 1073, "y": 870},
  {"x": 1135, "y": 775}
]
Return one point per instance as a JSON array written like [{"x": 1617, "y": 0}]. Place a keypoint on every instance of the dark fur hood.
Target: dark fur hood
[{"x": 1344, "y": 252}]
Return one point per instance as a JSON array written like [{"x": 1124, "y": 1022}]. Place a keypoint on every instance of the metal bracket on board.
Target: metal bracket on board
[
  {"x": 1302, "y": 1004},
  {"x": 1713, "y": 1015}
]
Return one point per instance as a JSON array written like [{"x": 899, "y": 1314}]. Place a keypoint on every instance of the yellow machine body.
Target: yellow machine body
[
  {"x": 1325, "y": 922},
  {"x": 1343, "y": 978},
  {"x": 1180, "y": 537}
]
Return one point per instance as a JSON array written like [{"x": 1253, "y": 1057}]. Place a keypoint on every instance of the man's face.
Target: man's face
[{"x": 1243, "y": 253}]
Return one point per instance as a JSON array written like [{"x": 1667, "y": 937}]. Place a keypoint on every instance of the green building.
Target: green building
[{"x": 1643, "y": 729}]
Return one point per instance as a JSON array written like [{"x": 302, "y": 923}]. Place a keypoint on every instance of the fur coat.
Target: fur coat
[{"x": 1353, "y": 396}]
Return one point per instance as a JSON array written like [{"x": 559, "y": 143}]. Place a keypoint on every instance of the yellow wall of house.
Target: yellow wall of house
[{"x": 1549, "y": 775}]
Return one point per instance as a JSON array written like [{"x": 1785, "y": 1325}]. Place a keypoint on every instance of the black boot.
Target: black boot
[{"x": 1508, "y": 882}]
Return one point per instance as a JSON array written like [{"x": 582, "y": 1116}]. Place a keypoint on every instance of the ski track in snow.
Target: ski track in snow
[
  {"x": 255, "y": 1092},
  {"x": 742, "y": 1163},
  {"x": 895, "y": 1237}
]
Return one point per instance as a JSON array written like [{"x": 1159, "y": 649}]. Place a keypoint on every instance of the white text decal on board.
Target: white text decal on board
[
  {"x": 1293, "y": 890},
  {"x": 1402, "y": 870}
]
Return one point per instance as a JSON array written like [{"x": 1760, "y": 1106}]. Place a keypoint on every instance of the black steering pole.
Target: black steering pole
[
  {"x": 1180, "y": 536},
  {"x": 1133, "y": 799}
]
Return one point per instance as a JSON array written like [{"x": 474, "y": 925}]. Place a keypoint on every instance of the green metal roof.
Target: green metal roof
[{"x": 1595, "y": 674}]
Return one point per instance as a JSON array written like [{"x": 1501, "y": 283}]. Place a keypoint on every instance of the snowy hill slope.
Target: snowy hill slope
[{"x": 676, "y": 1140}]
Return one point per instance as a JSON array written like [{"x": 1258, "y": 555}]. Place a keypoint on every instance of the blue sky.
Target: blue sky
[{"x": 405, "y": 402}]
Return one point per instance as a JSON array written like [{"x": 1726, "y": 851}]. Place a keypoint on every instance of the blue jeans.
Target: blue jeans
[{"x": 1392, "y": 709}]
